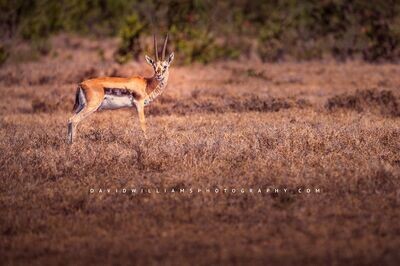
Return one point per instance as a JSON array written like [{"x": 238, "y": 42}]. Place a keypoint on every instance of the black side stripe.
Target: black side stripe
[{"x": 117, "y": 91}]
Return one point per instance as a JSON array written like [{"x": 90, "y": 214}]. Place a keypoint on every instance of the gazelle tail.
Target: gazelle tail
[{"x": 79, "y": 100}]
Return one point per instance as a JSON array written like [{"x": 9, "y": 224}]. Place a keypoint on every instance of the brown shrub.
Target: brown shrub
[
  {"x": 223, "y": 103},
  {"x": 381, "y": 102},
  {"x": 50, "y": 103},
  {"x": 10, "y": 78}
]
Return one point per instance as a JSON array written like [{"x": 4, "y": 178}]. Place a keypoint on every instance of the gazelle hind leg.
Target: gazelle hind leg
[
  {"x": 80, "y": 104},
  {"x": 70, "y": 131},
  {"x": 76, "y": 119}
]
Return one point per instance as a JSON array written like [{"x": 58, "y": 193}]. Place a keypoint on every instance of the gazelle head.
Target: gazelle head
[{"x": 160, "y": 67}]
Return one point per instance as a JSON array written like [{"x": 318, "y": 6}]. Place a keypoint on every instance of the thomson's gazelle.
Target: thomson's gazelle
[{"x": 114, "y": 93}]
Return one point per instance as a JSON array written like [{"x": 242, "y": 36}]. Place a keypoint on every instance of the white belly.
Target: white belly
[{"x": 116, "y": 102}]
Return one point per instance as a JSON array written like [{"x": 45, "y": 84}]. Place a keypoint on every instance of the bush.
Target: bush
[
  {"x": 197, "y": 45},
  {"x": 130, "y": 39},
  {"x": 343, "y": 28},
  {"x": 3, "y": 55},
  {"x": 203, "y": 30}
]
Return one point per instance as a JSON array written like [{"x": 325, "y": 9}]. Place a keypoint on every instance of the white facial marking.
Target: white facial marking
[{"x": 160, "y": 69}]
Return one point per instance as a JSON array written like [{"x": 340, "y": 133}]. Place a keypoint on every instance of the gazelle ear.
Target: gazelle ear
[
  {"x": 171, "y": 58},
  {"x": 149, "y": 60}
]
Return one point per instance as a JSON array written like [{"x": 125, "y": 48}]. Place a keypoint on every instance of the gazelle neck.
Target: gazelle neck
[{"x": 156, "y": 87}]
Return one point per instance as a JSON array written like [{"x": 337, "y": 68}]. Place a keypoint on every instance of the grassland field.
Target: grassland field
[{"x": 320, "y": 125}]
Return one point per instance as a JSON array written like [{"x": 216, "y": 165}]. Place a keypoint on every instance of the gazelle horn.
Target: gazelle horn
[
  {"x": 155, "y": 47},
  {"x": 164, "y": 47}
]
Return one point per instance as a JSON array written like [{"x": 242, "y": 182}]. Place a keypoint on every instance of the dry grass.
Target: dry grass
[{"x": 227, "y": 125}]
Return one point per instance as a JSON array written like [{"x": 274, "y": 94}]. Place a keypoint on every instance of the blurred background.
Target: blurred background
[{"x": 206, "y": 31}]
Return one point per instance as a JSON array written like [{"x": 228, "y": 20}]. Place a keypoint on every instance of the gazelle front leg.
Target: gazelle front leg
[{"x": 142, "y": 119}]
